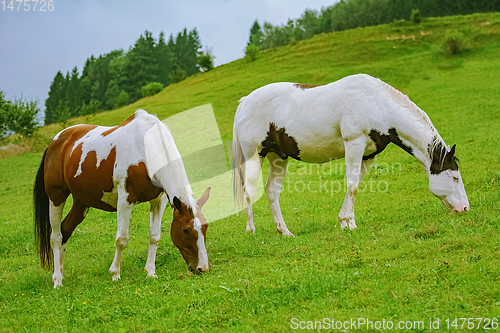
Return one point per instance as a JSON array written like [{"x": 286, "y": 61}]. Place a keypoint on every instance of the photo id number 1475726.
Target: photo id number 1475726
[{"x": 27, "y": 5}]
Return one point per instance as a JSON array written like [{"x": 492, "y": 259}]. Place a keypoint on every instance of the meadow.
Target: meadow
[{"x": 409, "y": 260}]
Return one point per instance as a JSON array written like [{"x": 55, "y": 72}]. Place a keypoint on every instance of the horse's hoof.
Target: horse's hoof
[
  {"x": 348, "y": 222},
  {"x": 57, "y": 284},
  {"x": 251, "y": 230},
  {"x": 286, "y": 232},
  {"x": 152, "y": 275},
  {"x": 115, "y": 277}
]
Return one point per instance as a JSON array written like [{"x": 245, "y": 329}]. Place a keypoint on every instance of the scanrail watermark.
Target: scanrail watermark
[{"x": 371, "y": 324}]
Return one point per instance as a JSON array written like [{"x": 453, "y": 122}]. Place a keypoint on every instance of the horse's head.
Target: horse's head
[
  {"x": 446, "y": 183},
  {"x": 188, "y": 233}
]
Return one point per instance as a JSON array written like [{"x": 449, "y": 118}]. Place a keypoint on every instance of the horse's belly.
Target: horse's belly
[{"x": 321, "y": 152}]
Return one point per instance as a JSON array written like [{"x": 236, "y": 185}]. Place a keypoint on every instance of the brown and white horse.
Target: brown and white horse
[
  {"x": 356, "y": 118},
  {"x": 113, "y": 168}
]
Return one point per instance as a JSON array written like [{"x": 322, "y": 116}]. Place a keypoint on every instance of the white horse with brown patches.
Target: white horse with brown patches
[
  {"x": 113, "y": 168},
  {"x": 356, "y": 118}
]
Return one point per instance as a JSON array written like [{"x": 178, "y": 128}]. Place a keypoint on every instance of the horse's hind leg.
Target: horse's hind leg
[
  {"x": 55, "y": 213},
  {"x": 252, "y": 173},
  {"x": 124, "y": 210},
  {"x": 277, "y": 173},
  {"x": 156, "y": 212},
  {"x": 355, "y": 169}
]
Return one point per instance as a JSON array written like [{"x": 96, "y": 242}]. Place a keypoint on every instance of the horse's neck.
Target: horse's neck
[
  {"x": 164, "y": 164},
  {"x": 176, "y": 184},
  {"x": 417, "y": 132}
]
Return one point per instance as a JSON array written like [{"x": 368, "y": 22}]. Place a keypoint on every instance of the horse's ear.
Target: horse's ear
[
  {"x": 177, "y": 204},
  {"x": 201, "y": 201},
  {"x": 451, "y": 153}
]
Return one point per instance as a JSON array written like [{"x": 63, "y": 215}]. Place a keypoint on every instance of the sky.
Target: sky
[{"x": 35, "y": 44}]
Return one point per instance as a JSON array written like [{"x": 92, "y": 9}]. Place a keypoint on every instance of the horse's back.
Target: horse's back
[
  {"x": 91, "y": 162},
  {"x": 318, "y": 117}
]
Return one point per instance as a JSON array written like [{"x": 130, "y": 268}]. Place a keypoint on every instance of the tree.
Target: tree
[
  {"x": 308, "y": 24},
  {"x": 177, "y": 75},
  {"x": 121, "y": 99},
  {"x": 118, "y": 79},
  {"x": 18, "y": 116},
  {"x": 251, "y": 52},
  {"x": 206, "y": 60},
  {"x": 151, "y": 89},
  {"x": 72, "y": 94},
  {"x": 142, "y": 66},
  {"x": 62, "y": 113},
  {"x": 186, "y": 50},
  {"x": 255, "y": 34},
  {"x": 55, "y": 95},
  {"x": 22, "y": 116},
  {"x": 165, "y": 59}
]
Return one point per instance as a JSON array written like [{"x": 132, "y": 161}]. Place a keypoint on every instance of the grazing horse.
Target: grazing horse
[
  {"x": 113, "y": 168},
  {"x": 356, "y": 118}
]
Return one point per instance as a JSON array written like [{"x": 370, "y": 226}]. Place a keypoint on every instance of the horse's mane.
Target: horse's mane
[
  {"x": 436, "y": 142},
  {"x": 163, "y": 160}
]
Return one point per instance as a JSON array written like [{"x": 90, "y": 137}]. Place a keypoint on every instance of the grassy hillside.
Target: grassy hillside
[{"x": 408, "y": 260}]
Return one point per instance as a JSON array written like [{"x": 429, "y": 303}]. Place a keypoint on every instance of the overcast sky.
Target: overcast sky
[{"x": 34, "y": 45}]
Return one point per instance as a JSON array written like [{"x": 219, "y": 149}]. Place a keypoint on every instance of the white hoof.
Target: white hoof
[
  {"x": 152, "y": 275},
  {"x": 348, "y": 222},
  {"x": 285, "y": 232},
  {"x": 251, "y": 230},
  {"x": 57, "y": 284}
]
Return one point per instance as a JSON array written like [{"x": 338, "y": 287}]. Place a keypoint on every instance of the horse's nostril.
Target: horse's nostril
[
  {"x": 200, "y": 270},
  {"x": 466, "y": 209}
]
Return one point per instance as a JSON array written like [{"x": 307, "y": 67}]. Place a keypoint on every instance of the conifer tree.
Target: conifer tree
[
  {"x": 142, "y": 66},
  {"x": 165, "y": 59},
  {"x": 72, "y": 94},
  {"x": 52, "y": 102}
]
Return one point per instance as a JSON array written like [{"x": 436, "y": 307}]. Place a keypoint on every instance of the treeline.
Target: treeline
[
  {"x": 117, "y": 78},
  {"x": 350, "y": 14}
]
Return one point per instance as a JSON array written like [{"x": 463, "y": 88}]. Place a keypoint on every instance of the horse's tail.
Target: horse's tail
[
  {"x": 41, "y": 216},
  {"x": 238, "y": 164}
]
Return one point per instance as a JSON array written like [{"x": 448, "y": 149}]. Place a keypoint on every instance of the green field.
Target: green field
[{"x": 409, "y": 259}]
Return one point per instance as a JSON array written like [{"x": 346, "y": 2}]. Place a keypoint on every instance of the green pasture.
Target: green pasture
[{"x": 409, "y": 259}]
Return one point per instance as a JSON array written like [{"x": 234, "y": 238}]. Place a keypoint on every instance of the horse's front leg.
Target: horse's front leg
[
  {"x": 124, "y": 210},
  {"x": 157, "y": 207},
  {"x": 355, "y": 169}
]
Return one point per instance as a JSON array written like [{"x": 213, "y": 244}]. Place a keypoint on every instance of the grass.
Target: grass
[{"x": 409, "y": 260}]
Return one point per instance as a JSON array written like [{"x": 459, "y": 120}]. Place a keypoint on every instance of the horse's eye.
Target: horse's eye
[
  {"x": 455, "y": 178},
  {"x": 186, "y": 231}
]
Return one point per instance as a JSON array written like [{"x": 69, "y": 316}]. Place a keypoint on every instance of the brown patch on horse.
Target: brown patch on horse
[
  {"x": 93, "y": 182},
  {"x": 73, "y": 219},
  {"x": 442, "y": 160},
  {"x": 382, "y": 140},
  {"x": 306, "y": 86},
  {"x": 184, "y": 235},
  {"x": 111, "y": 130},
  {"x": 55, "y": 182},
  {"x": 139, "y": 186},
  {"x": 279, "y": 142}
]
